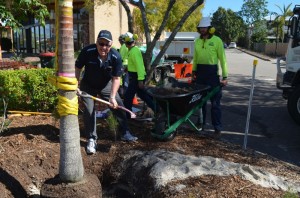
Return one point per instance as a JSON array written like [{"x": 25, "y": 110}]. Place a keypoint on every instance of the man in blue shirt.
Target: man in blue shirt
[{"x": 102, "y": 71}]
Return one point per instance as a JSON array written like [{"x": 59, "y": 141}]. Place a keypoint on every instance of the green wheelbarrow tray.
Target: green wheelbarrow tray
[{"x": 181, "y": 101}]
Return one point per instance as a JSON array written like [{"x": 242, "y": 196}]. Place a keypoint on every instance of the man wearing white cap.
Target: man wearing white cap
[
  {"x": 102, "y": 71},
  {"x": 209, "y": 51}
]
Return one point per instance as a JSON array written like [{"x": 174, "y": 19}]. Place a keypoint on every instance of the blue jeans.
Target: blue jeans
[
  {"x": 208, "y": 75},
  {"x": 133, "y": 89}
]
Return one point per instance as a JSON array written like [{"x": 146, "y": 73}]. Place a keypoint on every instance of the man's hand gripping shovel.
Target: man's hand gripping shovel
[{"x": 86, "y": 95}]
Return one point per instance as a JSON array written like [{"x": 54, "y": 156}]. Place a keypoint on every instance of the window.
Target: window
[{"x": 42, "y": 39}]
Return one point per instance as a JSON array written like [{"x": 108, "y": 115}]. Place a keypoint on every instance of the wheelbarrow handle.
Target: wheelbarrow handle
[{"x": 86, "y": 95}]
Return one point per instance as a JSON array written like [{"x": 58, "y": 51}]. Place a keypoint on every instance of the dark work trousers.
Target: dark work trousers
[
  {"x": 208, "y": 75},
  {"x": 89, "y": 114},
  {"x": 133, "y": 89},
  {"x": 123, "y": 87}
]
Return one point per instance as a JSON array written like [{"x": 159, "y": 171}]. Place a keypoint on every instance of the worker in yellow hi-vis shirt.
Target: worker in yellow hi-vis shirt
[
  {"x": 209, "y": 51},
  {"x": 124, "y": 54},
  {"x": 137, "y": 74}
]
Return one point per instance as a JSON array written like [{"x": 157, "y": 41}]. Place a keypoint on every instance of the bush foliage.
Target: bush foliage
[{"x": 28, "y": 90}]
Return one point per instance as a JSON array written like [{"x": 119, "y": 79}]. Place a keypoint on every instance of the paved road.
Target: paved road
[{"x": 271, "y": 129}]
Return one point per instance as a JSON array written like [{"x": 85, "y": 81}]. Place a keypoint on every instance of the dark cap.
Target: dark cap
[{"x": 105, "y": 34}]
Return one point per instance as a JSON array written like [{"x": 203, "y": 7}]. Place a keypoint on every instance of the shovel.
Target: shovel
[{"x": 86, "y": 95}]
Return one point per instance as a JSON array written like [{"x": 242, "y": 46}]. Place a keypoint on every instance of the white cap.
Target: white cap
[{"x": 204, "y": 22}]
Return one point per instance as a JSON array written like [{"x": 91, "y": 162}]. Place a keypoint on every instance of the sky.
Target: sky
[{"x": 210, "y": 6}]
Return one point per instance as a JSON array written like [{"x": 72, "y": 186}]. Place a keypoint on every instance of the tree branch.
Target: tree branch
[
  {"x": 129, "y": 15},
  {"x": 171, "y": 37}
]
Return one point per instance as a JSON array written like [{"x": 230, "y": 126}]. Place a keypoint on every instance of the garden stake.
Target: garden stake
[{"x": 250, "y": 103}]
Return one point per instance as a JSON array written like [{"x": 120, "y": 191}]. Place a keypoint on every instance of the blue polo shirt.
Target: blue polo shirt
[{"x": 97, "y": 73}]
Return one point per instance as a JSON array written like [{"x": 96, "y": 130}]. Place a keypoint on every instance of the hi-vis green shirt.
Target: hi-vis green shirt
[
  {"x": 136, "y": 63},
  {"x": 210, "y": 52},
  {"x": 124, "y": 54}
]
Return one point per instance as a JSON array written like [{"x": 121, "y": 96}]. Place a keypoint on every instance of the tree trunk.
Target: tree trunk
[
  {"x": 70, "y": 165},
  {"x": 0, "y": 43}
]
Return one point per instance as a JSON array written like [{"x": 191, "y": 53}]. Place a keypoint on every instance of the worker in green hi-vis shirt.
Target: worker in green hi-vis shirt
[
  {"x": 124, "y": 54},
  {"x": 137, "y": 74},
  {"x": 209, "y": 51}
]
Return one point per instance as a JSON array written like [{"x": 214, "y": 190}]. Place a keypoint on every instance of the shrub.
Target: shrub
[{"x": 28, "y": 90}]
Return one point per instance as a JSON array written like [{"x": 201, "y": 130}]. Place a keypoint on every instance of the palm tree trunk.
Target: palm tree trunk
[
  {"x": 0, "y": 43},
  {"x": 70, "y": 164}
]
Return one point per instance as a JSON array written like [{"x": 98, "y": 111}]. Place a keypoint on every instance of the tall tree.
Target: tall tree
[
  {"x": 155, "y": 11},
  {"x": 229, "y": 25},
  {"x": 254, "y": 10},
  {"x": 71, "y": 168},
  {"x": 285, "y": 12},
  {"x": 14, "y": 12},
  {"x": 157, "y": 28},
  {"x": 70, "y": 164},
  {"x": 254, "y": 13}
]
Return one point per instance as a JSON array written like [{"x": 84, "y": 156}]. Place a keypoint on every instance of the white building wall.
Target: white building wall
[{"x": 107, "y": 17}]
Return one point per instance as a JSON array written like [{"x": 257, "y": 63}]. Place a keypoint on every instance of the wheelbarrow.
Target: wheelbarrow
[{"x": 177, "y": 103}]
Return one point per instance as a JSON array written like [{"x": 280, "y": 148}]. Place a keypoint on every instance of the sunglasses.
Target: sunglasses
[{"x": 104, "y": 44}]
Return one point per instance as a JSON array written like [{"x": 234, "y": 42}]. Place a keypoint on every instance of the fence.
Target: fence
[{"x": 273, "y": 49}]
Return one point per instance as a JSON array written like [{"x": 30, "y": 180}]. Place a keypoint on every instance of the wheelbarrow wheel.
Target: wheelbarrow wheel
[{"x": 161, "y": 125}]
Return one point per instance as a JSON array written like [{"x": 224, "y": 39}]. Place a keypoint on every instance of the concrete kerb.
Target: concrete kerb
[{"x": 260, "y": 56}]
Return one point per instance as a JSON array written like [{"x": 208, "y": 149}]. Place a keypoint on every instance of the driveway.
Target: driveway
[{"x": 271, "y": 129}]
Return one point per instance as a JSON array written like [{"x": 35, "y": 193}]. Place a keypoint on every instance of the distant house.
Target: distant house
[
  {"x": 34, "y": 38},
  {"x": 273, "y": 33}
]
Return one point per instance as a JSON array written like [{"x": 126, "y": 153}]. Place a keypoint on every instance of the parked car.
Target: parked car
[{"x": 232, "y": 45}]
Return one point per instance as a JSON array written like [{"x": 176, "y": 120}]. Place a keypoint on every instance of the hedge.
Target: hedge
[{"x": 27, "y": 90}]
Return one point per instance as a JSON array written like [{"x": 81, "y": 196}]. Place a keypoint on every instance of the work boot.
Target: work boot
[
  {"x": 200, "y": 126},
  {"x": 128, "y": 137},
  {"x": 217, "y": 134}
]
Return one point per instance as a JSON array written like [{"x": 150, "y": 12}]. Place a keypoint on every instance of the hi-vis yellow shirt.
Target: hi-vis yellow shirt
[
  {"x": 210, "y": 52},
  {"x": 124, "y": 54},
  {"x": 136, "y": 62}
]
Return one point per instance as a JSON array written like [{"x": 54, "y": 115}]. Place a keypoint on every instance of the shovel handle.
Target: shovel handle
[{"x": 86, "y": 95}]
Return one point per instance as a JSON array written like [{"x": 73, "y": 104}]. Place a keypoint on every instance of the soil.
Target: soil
[
  {"x": 174, "y": 88},
  {"x": 8, "y": 64},
  {"x": 29, "y": 155}
]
